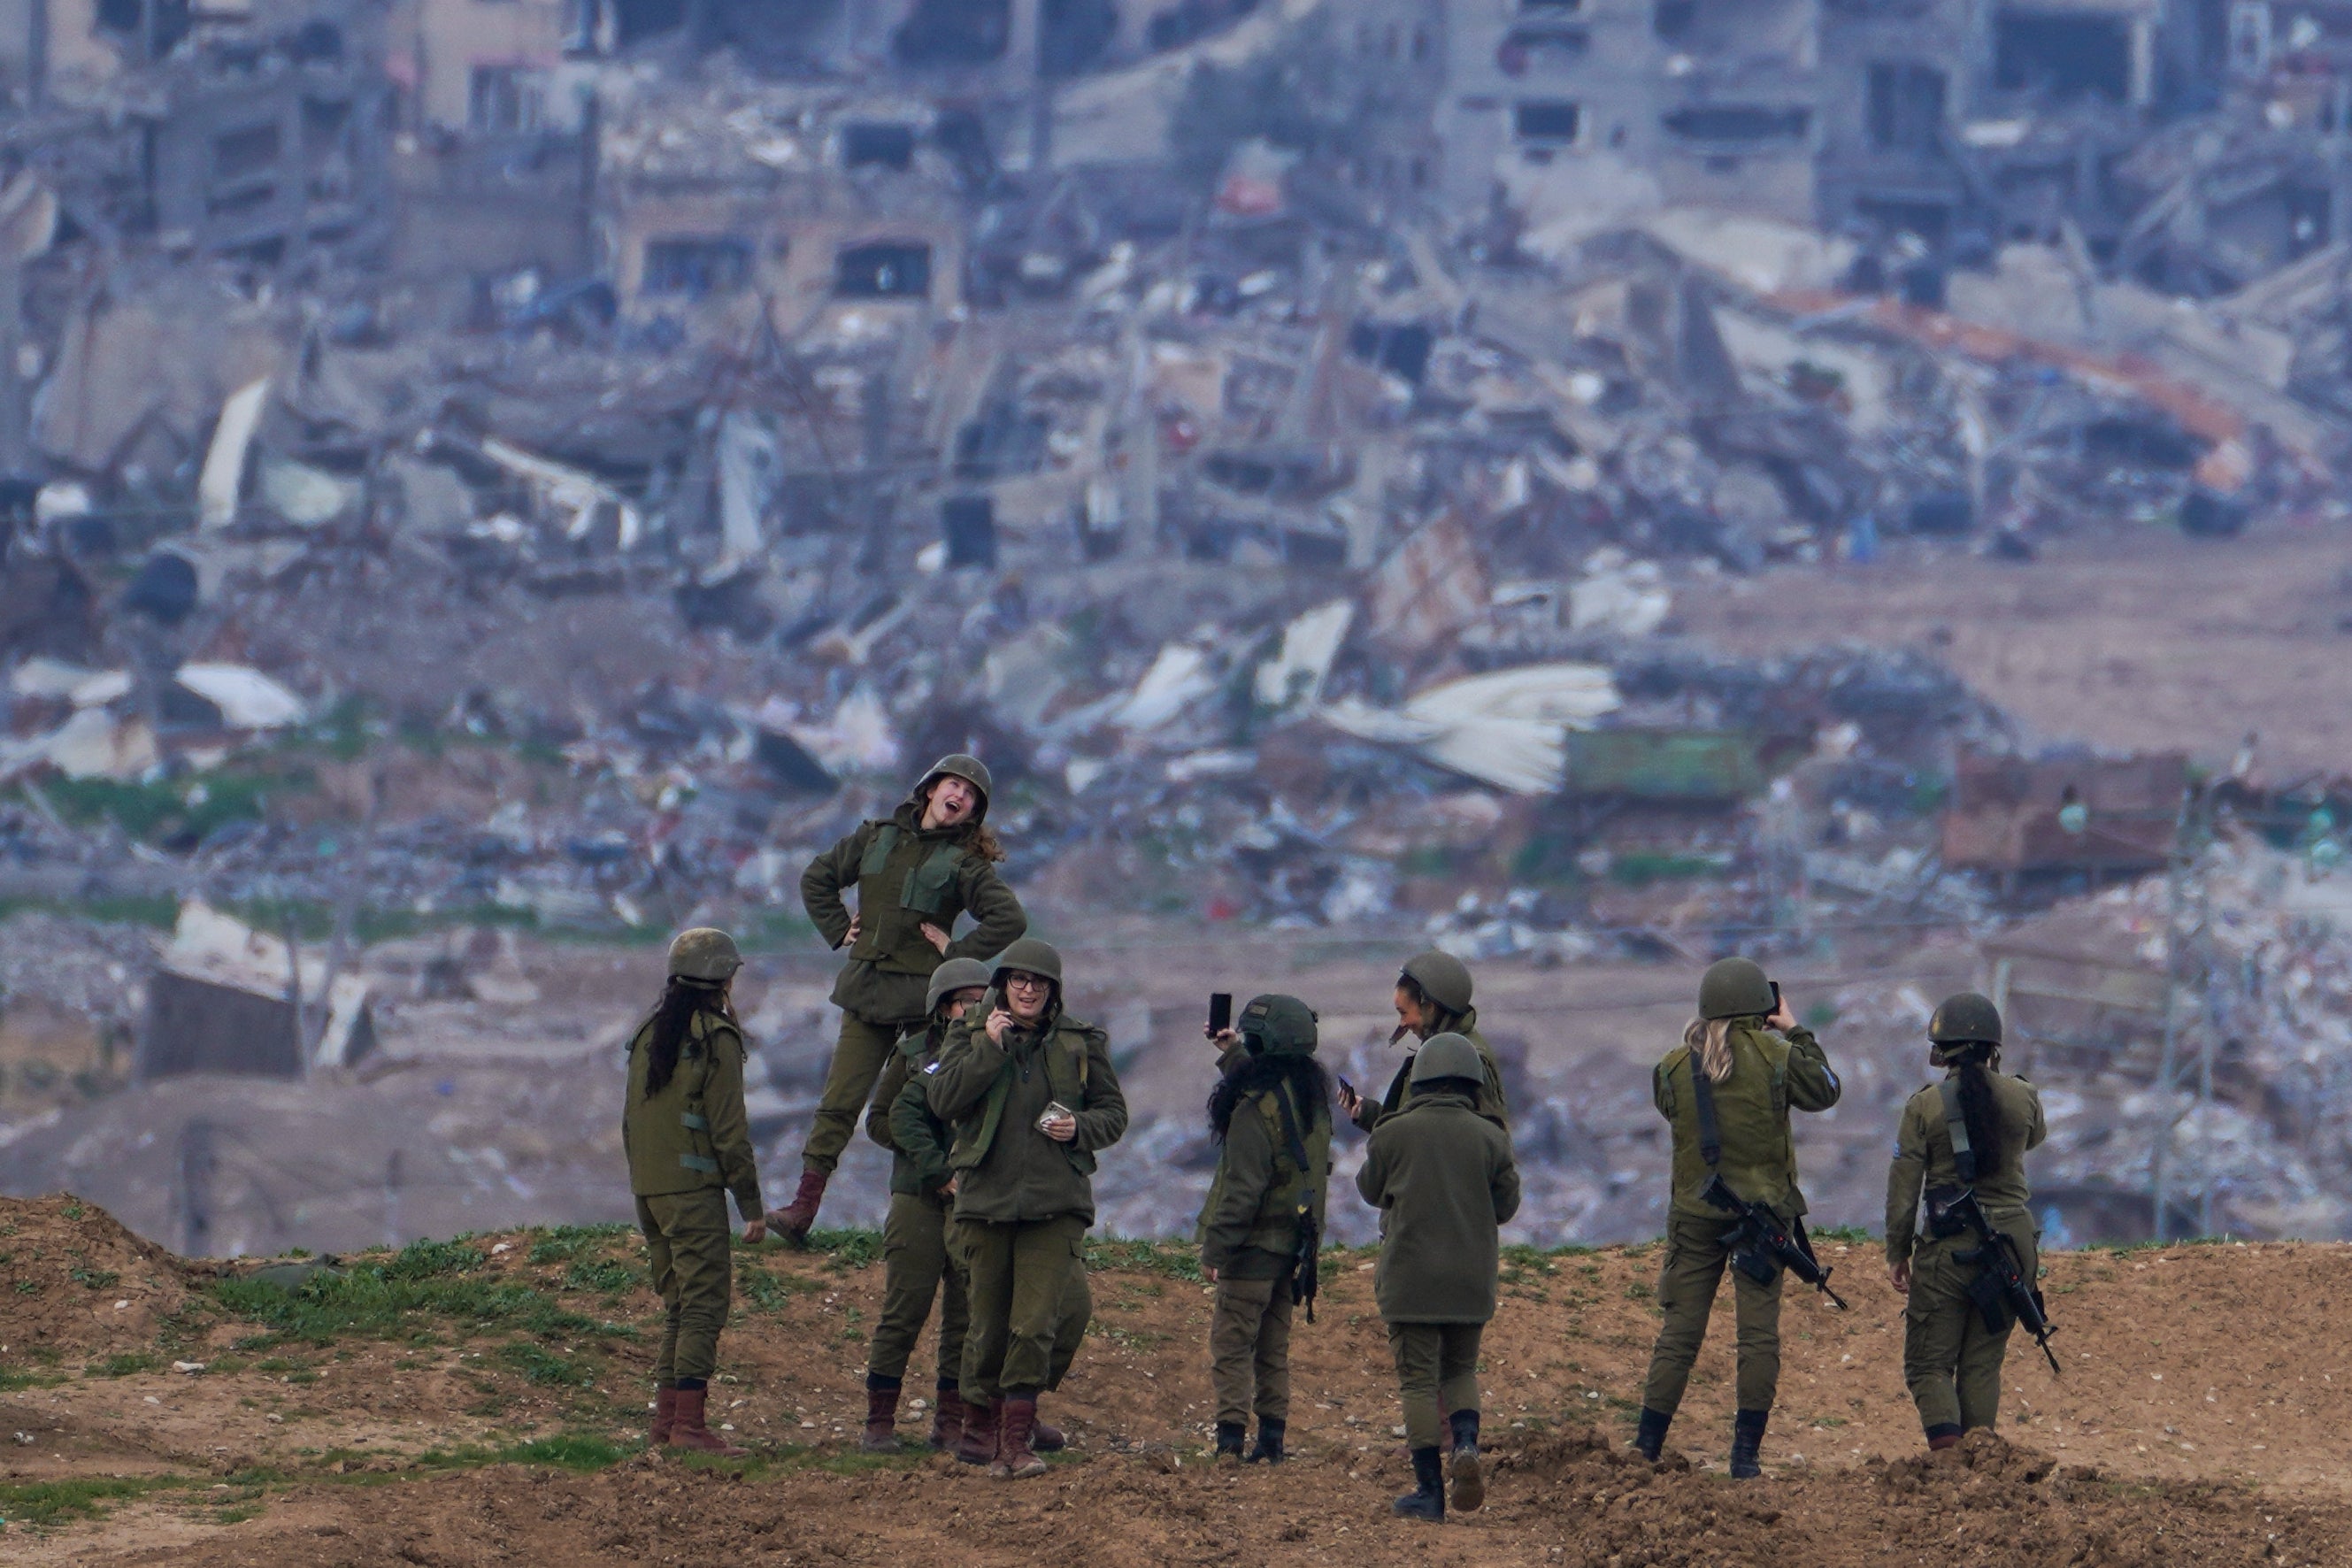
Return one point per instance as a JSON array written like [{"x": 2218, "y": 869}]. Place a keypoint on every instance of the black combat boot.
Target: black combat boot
[
  {"x": 1229, "y": 1442},
  {"x": 1746, "y": 1438},
  {"x": 1269, "y": 1442},
  {"x": 1649, "y": 1437},
  {"x": 1469, "y": 1480},
  {"x": 1427, "y": 1498}
]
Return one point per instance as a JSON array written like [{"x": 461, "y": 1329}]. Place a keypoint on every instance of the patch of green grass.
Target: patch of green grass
[
  {"x": 768, "y": 1292},
  {"x": 128, "y": 1364},
  {"x": 1637, "y": 1291},
  {"x": 426, "y": 1282},
  {"x": 94, "y": 1278},
  {"x": 543, "y": 1367},
  {"x": 604, "y": 1274},
  {"x": 848, "y": 1249},
  {"x": 1522, "y": 1262},
  {"x": 44, "y": 1503},
  {"x": 11, "y": 1380},
  {"x": 434, "y": 1259},
  {"x": 173, "y": 808},
  {"x": 569, "y": 1451},
  {"x": 564, "y": 1243},
  {"x": 1849, "y": 1235},
  {"x": 1144, "y": 1256}
]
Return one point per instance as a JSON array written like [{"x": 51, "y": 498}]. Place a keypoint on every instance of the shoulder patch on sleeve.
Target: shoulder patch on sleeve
[{"x": 930, "y": 1069}]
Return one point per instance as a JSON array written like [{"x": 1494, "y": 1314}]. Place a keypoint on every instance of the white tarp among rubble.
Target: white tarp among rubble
[
  {"x": 1177, "y": 678},
  {"x": 1617, "y": 595},
  {"x": 1296, "y": 674},
  {"x": 858, "y": 739},
  {"x": 93, "y": 744},
  {"x": 303, "y": 495},
  {"x": 578, "y": 495},
  {"x": 222, "y": 479},
  {"x": 42, "y": 677},
  {"x": 1508, "y": 728},
  {"x": 749, "y": 465},
  {"x": 247, "y": 699}
]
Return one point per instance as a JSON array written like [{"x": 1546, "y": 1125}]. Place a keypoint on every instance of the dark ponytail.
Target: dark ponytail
[
  {"x": 1978, "y": 1109},
  {"x": 673, "y": 1016}
]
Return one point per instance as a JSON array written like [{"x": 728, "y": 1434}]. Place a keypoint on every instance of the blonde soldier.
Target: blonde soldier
[
  {"x": 689, "y": 1145},
  {"x": 1032, "y": 1096},
  {"x": 914, "y": 872},
  {"x": 1744, "y": 1064},
  {"x": 1433, "y": 998},
  {"x": 1271, "y": 1117},
  {"x": 1969, "y": 1132},
  {"x": 916, "y": 1265}
]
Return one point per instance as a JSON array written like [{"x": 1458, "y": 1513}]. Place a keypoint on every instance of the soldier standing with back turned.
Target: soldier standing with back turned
[
  {"x": 1969, "y": 1132},
  {"x": 1270, "y": 1115},
  {"x": 914, "y": 872},
  {"x": 1726, "y": 1090}
]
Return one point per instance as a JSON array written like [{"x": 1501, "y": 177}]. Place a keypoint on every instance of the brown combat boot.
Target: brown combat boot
[
  {"x": 665, "y": 1415},
  {"x": 1045, "y": 1440},
  {"x": 1014, "y": 1458},
  {"x": 881, "y": 1421},
  {"x": 691, "y": 1432},
  {"x": 947, "y": 1421},
  {"x": 978, "y": 1444},
  {"x": 792, "y": 1221}
]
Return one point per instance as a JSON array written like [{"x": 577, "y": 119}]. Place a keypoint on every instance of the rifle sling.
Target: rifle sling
[
  {"x": 1955, "y": 1122},
  {"x": 1710, "y": 1138}
]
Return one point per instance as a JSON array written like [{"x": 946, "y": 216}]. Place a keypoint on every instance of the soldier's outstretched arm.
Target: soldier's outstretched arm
[
  {"x": 822, "y": 883},
  {"x": 1000, "y": 920},
  {"x": 1812, "y": 1084}
]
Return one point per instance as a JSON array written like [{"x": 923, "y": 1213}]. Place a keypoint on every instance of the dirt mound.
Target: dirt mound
[{"x": 74, "y": 1282}]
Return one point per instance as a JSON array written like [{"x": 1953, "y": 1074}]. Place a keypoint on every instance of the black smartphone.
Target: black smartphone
[
  {"x": 1345, "y": 1085},
  {"x": 1221, "y": 1011},
  {"x": 1776, "y": 996}
]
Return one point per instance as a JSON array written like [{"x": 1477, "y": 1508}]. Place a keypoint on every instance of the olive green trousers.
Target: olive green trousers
[
  {"x": 694, "y": 1274},
  {"x": 1249, "y": 1350},
  {"x": 916, "y": 1268},
  {"x": 1950, "y": 1361},
  {"x": 1437, "y": 1374},
  {"x": 1029, "y": 1301},
  {"x": 859, "y": 1055},
  {"x": 1697, "y": 1255}
]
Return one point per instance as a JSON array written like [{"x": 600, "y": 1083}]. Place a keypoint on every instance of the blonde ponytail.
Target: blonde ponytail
[{"x": 1709, "y": 1043}]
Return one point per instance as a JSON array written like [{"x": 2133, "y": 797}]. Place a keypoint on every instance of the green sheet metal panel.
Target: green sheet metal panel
[{"x": 1664, "y": 764}]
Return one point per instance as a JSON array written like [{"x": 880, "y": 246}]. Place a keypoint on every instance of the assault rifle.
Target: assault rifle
[
  {"x": 2001, "y": 1290},
  {"x": 1761, "y": 1245}
]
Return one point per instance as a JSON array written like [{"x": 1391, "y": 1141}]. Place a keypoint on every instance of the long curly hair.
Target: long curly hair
[
  {"x": 1310, "y": 1087},
  {"x": 673, "y": 1016}
]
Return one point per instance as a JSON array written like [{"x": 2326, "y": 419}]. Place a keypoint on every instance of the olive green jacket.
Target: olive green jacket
[
  {"x": 1923, "y": 1159},
  {"x": 1248, "y": 1227},
  {"x": 906, "y": 876},
  {"x": 1770, "y": 1075},
  {"x": 693, "y": 1134},
  {"x": 900, "y": 1118},
  {"x": 1442, "y": 1174},
  {"x": 1369, "y": 1114},
  {"x": 1006, "y": 1169}
]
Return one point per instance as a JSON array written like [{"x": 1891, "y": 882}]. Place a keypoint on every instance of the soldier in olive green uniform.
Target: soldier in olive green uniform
[
  {"x": 1271, "y": 1117},
  {"x": 1442, "y": 1174},
  {"x": 915, "y": 1262},
  {"x": 934, "y": 859},
  {"x": 689, "y": 1144},
  {"x": 1033, "y": 1097},
  {"x": 1433, "y": 998},
  {"x": 1972, "y": 1131},
  {"x": 1757, "y": 1064}
]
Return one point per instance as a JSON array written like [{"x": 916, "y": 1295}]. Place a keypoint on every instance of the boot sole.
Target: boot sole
[
  {"x": 1006, "y": 1473},
  {"x": 1469, "y": 1482}
]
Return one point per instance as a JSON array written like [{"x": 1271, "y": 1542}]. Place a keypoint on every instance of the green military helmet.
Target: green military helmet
[
  {"x": 1734, "y": 988},
  {"x": 956, "y": 765},
  {"x": 1448, "y": 1055},
  {"x": 956, "y": 974},
  {"x": 1442, "y": 978},
  {"x": 704, "y": 954},
  {"x": 1030, "y": 954},
  {"x": 1967, "y": 1019},
  {"x": 1275, "y": 1024}
]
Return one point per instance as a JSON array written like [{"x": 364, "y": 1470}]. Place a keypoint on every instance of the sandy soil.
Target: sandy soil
[
  {"x": 2146, "y": 641},
  {"x": 2199, "y": 1421}
]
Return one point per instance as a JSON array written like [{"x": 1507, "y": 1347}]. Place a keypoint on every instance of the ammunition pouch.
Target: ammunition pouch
[
  {"x": 1944, "y": 1220},
  {"x": 1991, "y": 1300}
]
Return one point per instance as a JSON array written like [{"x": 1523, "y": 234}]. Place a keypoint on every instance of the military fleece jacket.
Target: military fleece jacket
[
  {"x": 900, "y": 1116},
  {"x": 694, "y": 1134},
  {"x": 890, "y": 964},
  {"x": 1490, "y": 1094},
  {"x": 1923, "y": 1159},
  {"x": 1770, "y": 1075},
  {"x": 1248, "y": 1227},
  {"x": 1443, "y": 1179},
  {"x": 1011, "y": 1173}
]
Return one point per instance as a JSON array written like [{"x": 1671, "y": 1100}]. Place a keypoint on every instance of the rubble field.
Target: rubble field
[{"x": 478, "y": 1400}]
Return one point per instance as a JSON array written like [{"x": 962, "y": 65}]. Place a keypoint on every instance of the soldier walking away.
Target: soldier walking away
[
  {"x": 689, "y": 1145},
  {"x": 1441, "y": 1174},
  {"x": 1263, "y": 1223},
  {"x": 1726, "y": 1090},
  {"x": 1033, "y": 1097},
  {"x": 932, "y": 859},
  {"x": 1966, "y": 1134},
  {"x": 1433, "y": 998},
  {"x": 916, "y": 1265}
]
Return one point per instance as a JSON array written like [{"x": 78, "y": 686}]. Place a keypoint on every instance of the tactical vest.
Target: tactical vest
[
  {"x": 1758, "y": 1157},
  {"x": 1065, "y": 1051},
  {"x": 903, "y": 881},
  {"x": 670, "y": 1132},
  {"x": 1276, "y": 1227}
]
